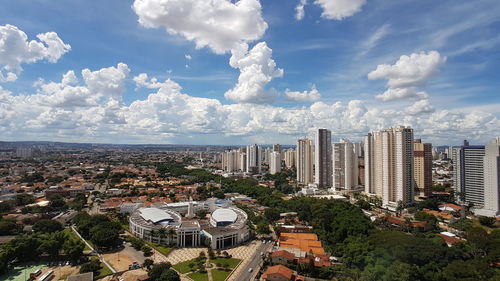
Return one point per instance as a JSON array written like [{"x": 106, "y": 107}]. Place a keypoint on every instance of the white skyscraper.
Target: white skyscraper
[
  {"x": 389, "y": 165},
  {"x": 253, "y": 159},
  {"x": 231, "y": 161},
  {"x": 468, "y": 171},
  {"x": 289, "y": 156},
  {"x": 345, "y": 164},
  {"x": 304, "y": 160},
  {"x": 491, "y": 180},
  {"x": 275, "y": 163},
  {"x": 323, "y": 158}
]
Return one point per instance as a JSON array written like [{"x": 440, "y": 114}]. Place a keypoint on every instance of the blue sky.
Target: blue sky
[{"x": 450, "y": 70}]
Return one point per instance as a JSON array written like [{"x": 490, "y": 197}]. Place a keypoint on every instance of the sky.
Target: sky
[{"x": 248, "y": 71}]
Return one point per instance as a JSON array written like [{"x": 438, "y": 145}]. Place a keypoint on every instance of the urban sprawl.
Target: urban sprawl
[{"x": 391, "y": 207}]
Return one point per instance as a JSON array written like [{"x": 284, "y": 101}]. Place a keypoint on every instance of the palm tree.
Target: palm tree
[
  {"x": 152, "y": 234},
  {"x": 162, "y": 233},
  {"x": 171, "y": 233}
]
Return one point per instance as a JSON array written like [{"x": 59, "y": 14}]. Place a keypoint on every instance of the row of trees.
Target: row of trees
[{"x": 31, "y": 247}]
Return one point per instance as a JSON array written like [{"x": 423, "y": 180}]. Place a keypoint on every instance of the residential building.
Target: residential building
[
  {"x": 289, "y": 156},
  {"x": 254, "y": 159},
  {"x": 323, "y": 158},
  {"x": 345, "y": 165},
  {"x": 491, "y": 180},
  {"x": 468, "y": 172},
  {"x": 275, "y": 163},
  {"x": 304, "y": 161},
  {"x": 389, "y": 166},
  {"x": 422, "y": 171}
]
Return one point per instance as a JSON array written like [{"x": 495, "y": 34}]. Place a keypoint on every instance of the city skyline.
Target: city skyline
[{"x": 139, "y": 75}]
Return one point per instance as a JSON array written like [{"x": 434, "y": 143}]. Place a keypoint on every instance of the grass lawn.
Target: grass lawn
[
  {"x": 160, "y": 248},
  {"x": 232, "y": 262},
  {"x": 71, "y": 234},
  {"x": 196, "y": 276},
  {"x": 183, "y": 267},
  {"x": 220, "y": 275}
]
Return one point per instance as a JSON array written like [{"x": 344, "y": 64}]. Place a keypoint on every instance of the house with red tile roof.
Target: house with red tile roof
[{"x": 280, "y": 273}]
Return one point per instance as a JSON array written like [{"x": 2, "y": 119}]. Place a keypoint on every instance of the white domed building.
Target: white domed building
[{"x": 174, "y": 224}]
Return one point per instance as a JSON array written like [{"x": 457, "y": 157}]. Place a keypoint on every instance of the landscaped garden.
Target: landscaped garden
[{"x": 220, "y": 267}]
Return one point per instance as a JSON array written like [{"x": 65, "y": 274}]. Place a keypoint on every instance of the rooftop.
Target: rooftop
[
  {"x": 155, "y": 215},
  {"x": 224, "y": 215}
]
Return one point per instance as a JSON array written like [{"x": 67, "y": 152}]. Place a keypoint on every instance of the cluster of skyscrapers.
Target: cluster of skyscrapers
[{"x": 390, "y": 164}]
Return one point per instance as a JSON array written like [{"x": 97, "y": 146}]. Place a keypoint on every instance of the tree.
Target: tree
[
  {"x": 73, "y": 248},
  {"x": 263, "y": 228},
  {"x": 24, "y": 199},
  {"x": 104, "y": 235},
  {"x": 148, "y": 263},
  {"x": 147, "y": 251},
  {"x": 272, "y": 214},
  {"x": 487, "y": 221},
  {"x": 169, "y": 275},
  {"x": 157, "y": 269},
  {"x": 9, "y": 227},
  {"x": 7, "y": 206},
  {"x": 57, "y": 202},
  {"x": 47, "y": 226},
  {"x": 219, "y": 194}
]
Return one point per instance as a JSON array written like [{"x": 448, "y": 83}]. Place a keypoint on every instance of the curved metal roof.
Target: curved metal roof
[
  {"x": 224, "y": 215},
  {"x": 154, "y": 215}
]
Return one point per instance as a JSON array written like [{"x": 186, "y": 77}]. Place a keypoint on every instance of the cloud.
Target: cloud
[
  {"x": 419, "y": 107},
  {"x": 188, "y": 57},
  {"x": 412, "y": 70},
  {"x": 402, "y": 93},
  {"x": 220, "y": 25},
  {"x": 107, "y": 81},
  {"x": 372, "y": 41},
  {"x": 299, "y": 10},
  {"x": 339, "y": 9},
  {"x": 73, "y": 110},
  {"x": 142, "y": 80},
  {"x": 15, "y": 50},
  {"x": 312, "y": 95},
  {"x": 257, "y": 68}
]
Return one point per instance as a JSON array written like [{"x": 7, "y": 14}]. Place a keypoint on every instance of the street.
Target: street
[{"x": 255, "y": 263}]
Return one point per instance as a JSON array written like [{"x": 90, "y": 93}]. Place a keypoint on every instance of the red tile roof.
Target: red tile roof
[{"x": 278, "y": 269}]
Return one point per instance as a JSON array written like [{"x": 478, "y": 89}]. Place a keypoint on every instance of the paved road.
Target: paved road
[{"x": 255, "y": 263}]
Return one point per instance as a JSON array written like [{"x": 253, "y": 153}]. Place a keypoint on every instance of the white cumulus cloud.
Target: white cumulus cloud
[
  {"x": 16, "y": 49},
  {"x": 218, "y": 24},
  {"x": 312, "y": 95},
  {"x": 402, "y": 93},
  {"x": 339, "y": 9},
  {"x": 419, "y": 107},
  {"x": 412, "y": 70},
  {"x": 257, "y": 68}
]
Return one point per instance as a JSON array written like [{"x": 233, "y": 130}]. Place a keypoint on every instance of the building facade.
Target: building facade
[
  {"x": 492, "y": 179},
  {"x": 304, "y": 160},
  {"x": 389, "y": 166},
  {"x": 254, "y": 159},
  {"x": 422, "y": 172},
  {"x": 345, "y": 165},
  {"x": 289, "y": 156},
  {"x": 468, "y": 171},
  {"x": 275, "y": 163},
  {"x": 323, "y": 158}
]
